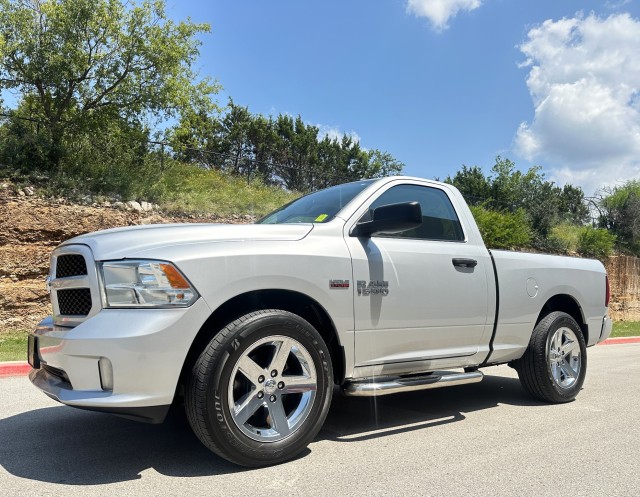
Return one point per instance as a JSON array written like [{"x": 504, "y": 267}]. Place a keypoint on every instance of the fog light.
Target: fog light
[{"x": 106, "y": 373}]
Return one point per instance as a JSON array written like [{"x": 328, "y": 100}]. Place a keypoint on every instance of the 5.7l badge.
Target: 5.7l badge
[{"x": 338, "y": 284}]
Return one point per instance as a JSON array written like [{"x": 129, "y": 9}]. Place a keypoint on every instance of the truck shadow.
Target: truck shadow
[
  {"x": 353, "y": 419},
  {"x": 73, "y": 447}
]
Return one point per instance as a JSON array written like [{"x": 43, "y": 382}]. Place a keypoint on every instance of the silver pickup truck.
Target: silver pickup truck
[{"x": 377, "y": 286}]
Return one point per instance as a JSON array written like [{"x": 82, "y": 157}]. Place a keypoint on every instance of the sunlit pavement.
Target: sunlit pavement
[{"x": 487, "y": 439}]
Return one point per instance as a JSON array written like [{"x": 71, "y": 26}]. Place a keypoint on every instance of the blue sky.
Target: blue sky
[{"x": 441, "y": 83}]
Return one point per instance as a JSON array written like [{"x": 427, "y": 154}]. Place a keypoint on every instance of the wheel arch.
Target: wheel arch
[
  {"x": 286, "y": 300},
  {"x": 566, "y": 303}
]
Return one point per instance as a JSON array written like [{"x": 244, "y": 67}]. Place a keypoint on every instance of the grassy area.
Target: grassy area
[
  {"x": 193, "y": 190},
  {"x": 13, "y": 346},
  {"x": 626, "y": 329},
  {"x": 178, "y": 188}
]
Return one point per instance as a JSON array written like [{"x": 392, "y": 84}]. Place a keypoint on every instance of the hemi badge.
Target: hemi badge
[{"x": 338, "y": 283}]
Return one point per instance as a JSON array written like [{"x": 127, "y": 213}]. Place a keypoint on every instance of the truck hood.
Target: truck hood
[{"x": 130, "y": 242}]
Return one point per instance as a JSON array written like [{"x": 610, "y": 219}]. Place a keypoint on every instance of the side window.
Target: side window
[{"x": 439, "y": 219}]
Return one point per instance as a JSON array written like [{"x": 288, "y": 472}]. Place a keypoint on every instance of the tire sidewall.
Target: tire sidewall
[
  {"x": 565, "y": 321},
  {"x": 219, "y": 422}
]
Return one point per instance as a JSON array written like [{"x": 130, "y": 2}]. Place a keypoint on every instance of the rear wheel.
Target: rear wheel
[
  {"x": 554, "y": 365},
  {"x": 260, "y": 391}
]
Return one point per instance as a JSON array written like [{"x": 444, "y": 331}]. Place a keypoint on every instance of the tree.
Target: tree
[
  {"x": 282, "y": 150},
  {"x": 596, "y": 243},
  {"x": 502, "y": 230},
  {"x": 472, "y": 183},
  {"x": 620, "y": 214},
  {"x": 507, "y": 190},
  {"x": 573, "y": 207},
  {"x": 381, "y": 164},
  {"x": 82, "y": 63}
]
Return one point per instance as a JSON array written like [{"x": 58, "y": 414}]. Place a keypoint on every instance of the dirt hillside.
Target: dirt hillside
[{"x": 31, "y": 227}]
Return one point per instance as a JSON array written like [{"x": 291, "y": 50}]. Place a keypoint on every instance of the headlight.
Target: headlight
[{"x": 144, "y": 284}]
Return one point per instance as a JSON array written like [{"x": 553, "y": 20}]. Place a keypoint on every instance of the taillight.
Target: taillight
[{"x": 607, "y": 294}]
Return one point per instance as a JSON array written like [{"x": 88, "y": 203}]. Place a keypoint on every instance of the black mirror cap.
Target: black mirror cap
[{"x": 392, "y": 218}]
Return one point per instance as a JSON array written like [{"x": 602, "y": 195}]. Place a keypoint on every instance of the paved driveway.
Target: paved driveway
[{"x": 487, "y": 439}]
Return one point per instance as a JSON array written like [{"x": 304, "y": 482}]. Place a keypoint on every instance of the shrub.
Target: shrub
[
  {"x": 594, "y": 242},
  {"x": 191, "y": 189},
  {"x": 564, "y": 238},
  {"x": 505, "y": 230}
]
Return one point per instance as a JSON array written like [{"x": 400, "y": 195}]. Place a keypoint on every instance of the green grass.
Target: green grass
[
  {"x": 13, "y": 346},
  {"x": 626, "y": 329},
  {"x": 192, "y": 190},
  {"x": 178, "y": 188}
]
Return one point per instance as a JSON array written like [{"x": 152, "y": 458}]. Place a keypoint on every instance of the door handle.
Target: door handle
[{"x": 464, "y": 262}]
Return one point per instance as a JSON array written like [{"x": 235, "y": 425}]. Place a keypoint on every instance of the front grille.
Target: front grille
[
  {"x": 74, "y": 302},
  {"x": 70, "y": 265},
  {"x": 74, "y": 285}
]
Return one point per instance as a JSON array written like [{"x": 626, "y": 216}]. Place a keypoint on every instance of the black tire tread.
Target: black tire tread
[
  {"x": 195, "y": 398},
  {"x": 532, "y": 367},
  {"x": 196, "y": 387}
]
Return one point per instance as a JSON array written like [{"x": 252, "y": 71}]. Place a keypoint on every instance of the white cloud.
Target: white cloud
[
  {"x": 440, "y": 11},
  {"x": 584, "y": 80},
  {"x": 616, "y": 4},
  {"x": 334, "y": 133}
]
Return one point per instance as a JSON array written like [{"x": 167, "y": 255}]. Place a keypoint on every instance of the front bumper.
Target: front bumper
[{"x": 124, "y": 361}]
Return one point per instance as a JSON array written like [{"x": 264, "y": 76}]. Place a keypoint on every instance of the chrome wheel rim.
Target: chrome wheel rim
[
  {"x": 564, "y": 357},
  {"x": 272, "y": 389}
]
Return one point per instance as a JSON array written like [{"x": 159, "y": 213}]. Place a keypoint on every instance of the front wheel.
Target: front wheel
[
  {"x": 261, "y": 389},
  {"x": 554, "y": 365}
]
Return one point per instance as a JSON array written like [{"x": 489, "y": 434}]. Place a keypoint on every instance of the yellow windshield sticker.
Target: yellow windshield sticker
[{"x": 321, "y": 218}]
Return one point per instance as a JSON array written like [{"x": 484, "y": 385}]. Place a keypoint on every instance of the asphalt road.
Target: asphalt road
[{"x": 487, "y": 439}]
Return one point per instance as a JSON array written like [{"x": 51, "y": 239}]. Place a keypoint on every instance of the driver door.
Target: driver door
[{"x": 411, "y": 303}]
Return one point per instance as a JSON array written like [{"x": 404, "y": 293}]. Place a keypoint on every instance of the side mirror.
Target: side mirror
[{"x": 393, "y": 218}]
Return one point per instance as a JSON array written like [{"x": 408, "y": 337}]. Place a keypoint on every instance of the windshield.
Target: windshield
[{"x": 318, "y": 207}]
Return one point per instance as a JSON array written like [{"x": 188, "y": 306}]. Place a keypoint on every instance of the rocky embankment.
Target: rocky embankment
[{"x": 31, "y": 227}]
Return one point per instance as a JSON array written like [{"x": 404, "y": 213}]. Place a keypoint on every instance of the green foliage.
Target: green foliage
[
  {"x": 191, "y": 189},
  {"x": 13, "y": 345},
  {"x": 620, "y": 213},
  {"x": 564, "y": 238},
  {"x": 573, "y": 207},
  {"x": 626, "y": 329},
  {"x": 78, "y": 65},
  {"x": 380, "y": 164},
  {"x": 473, "y": 184},
  {"x": 92, "y": 75},
  {"x": 583, "y": 240},
  {"x": 282, "y": 150},
  {"x": 597, "y": 243},
  {"x": 502, "y": 230},
  {"x": 507, "y": 189},
  {"x": 22, "y": 146}
]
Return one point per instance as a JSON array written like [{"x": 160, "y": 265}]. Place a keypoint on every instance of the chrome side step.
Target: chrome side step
[{"x": 387, "y": 386}]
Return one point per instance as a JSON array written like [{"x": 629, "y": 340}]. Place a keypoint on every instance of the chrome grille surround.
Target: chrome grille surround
[{"x": 84, "y": 300}]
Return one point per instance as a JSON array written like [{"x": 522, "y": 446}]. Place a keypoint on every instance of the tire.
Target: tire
[
  {"x": 554, "y": 365},
  {"x": 251, "y": 402}
]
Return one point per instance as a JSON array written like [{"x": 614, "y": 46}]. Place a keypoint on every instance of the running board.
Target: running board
[{"x": 387, "y": 386}]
